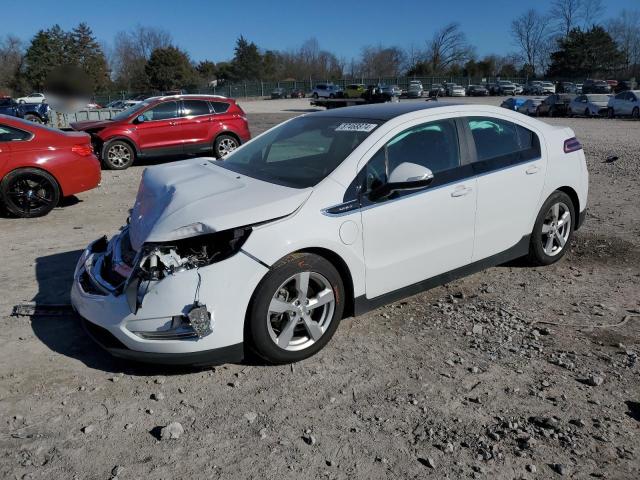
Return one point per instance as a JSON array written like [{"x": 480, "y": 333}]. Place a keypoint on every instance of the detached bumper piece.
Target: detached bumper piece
[{"x": 218, "y": 356}]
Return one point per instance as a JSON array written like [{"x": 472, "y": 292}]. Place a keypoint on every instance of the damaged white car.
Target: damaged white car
[{"x": 326, "y": 215}]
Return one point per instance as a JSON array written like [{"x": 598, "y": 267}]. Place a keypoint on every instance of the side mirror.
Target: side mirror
[
  {"x": 140, "y": 119},
  {"x": 406, "y": 176}
]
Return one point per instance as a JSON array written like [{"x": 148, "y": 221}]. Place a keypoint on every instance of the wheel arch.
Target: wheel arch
[
  {"x": 573, "y": 195},
  {"x": 120, "y": 138}
]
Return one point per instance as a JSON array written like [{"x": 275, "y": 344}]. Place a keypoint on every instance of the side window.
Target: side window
[
  {"x": 220, "y": 107},
  {"x": 10, "y": 134},
  {"x": 193, "y": 108},
  {"x": 163, "y": 111},
  {"x": 500, "y": 139},
  {"x": 433, "y": 145}
]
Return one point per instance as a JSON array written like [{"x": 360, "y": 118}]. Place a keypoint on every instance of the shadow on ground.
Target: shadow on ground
[{"x": 65, "y": 335}]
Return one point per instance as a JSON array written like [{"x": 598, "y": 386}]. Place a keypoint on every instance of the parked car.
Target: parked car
[
  {"x": 506, "y": 87},
  {"x": 530, "y": 106},
  {"x": 612, "y": 83},
  {"x": 513, "y": 103},
  {"x": 116, "y": 105},
  {"x": 595, "y": 86},
  {"x": 492, "y": 88},
  {"x": 448, "y": 87},
  {"x": 579, "y": 88},
  {"x": 566, "y": 87},
  {"x": 274, "y": 246},
  {"x": 556, "y": 105},
  {"x": 326, "y": 90},
  {"x": 354, "y": 90},
  {"x": 437, "y": 90},
  {"x": 278, "y": 93},
  {"x": 457, "y": 91},
  {"x": 33, "y": 98},
  {"x": 534, "y": 87},
  {"x": 379, "y": 94},
  {"x": 625, "y": 104},
  {"x": 391, "y": 90},
  {"x": 591, "y": 105},
  {"x": 624, "y": 85},
  {"x": 297, "y": 93},
  {"x": 477, "y": 91},
  {"x": 174, "y": 125},
  {"x": 33, "y": 112},
  {"x": 40, "y": 165},
  {"x": 547, "y": 88},
  {"x": 519, "y": 89},
  {"x": 415, "y": 89}
]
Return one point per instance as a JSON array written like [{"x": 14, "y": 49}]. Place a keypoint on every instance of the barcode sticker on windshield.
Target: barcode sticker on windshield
[{"x": 356, "y": 127}]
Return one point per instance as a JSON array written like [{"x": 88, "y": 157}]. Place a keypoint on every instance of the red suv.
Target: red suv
[{"x": 170, "y": 125}]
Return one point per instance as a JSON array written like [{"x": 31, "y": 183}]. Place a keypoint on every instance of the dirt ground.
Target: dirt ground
[{"x": 511, "y": 373}]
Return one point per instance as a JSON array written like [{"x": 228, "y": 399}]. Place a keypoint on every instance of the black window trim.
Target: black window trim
[
  {"x": 182, "y": 109},
  {"x": 30, "y": 137},
  {"x": 151, "y": 107},
  {"x": 213, "y": 109}
]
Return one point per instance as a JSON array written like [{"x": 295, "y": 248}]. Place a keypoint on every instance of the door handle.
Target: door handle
[
  {"x": 173, "y": 124},
  {"x": 461, "y": 191},
  {"x": 532, "y": 169}
]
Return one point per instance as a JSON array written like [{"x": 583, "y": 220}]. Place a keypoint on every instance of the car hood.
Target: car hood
[
  {"x": 90, "y": 125},
  {"x": 194, "y": 197}
]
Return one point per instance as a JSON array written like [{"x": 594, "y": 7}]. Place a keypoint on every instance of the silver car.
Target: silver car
[
  {"x": 415, "y": 89},
  {"x": 326, "y": 90},
  {"x": 530, "y": 107},
  {"x": 591, "y": 105}
]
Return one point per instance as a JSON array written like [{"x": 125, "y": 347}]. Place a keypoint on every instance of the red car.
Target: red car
[
  {"x": 39, "y": 165},
  {"x": 169, "y": 125}
]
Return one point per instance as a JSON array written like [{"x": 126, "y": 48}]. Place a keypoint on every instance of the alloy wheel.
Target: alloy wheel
[
  {"x": 31, "y": 193},
  {"x": 226, "y": 146},
  {"x": 119, "y": 155},
  {"x": 556, "y": 228},
  {"x": 300, "y": 311}
]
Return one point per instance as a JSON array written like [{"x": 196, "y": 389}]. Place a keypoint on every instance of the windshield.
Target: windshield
[
  {"x": 301, "y": 152},
  {"x": 123, "y": 115}
]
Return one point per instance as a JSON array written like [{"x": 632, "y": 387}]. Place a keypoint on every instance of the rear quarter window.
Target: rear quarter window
[
  {"x": 220, "y": 107},
  {"x": 499, "y": 139}
]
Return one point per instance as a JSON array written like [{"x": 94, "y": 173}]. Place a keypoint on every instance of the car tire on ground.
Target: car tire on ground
[
  {"x": 295, "y": 309},
  {"x": 315, "y": 95},
  {"x": 611, "y": 113},
  {"x": 33, "y": 118},
  {"x": 553, "y": 230},
  {"x": 224, "y": 145},
  {"x": 29, "y": 192},
  {"x": 118, "y": 155},
  {"x": 635, "y": 113},
  {"x": 587, "y": 113}
]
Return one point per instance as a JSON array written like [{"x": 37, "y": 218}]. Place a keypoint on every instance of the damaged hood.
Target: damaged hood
[
  {"x": 90, "y": 125},
  {"x": 194, "y": 197}
]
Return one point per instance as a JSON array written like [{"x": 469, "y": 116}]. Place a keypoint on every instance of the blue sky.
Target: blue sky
[{"x": 208, "y": 29}]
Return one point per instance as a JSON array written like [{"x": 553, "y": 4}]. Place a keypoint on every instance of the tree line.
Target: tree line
[{"x": 571, "y": 40}]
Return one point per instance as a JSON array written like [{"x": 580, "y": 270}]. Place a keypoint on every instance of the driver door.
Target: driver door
[{"x": 415, "y": 235}]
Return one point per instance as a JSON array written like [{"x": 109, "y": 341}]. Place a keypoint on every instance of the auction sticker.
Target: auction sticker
[{"x": 356, "y": 127}]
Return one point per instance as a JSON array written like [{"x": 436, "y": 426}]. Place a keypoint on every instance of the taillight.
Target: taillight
[
  {"x": 82, "y": 150},
  {"x": 572, "y": 145}
]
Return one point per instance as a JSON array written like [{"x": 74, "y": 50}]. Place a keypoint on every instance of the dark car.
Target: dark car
[
  {"x": 437, "y": 90},
  {"x": 297, "y": 93},
  {"x": 493, "y": 88},
  {"x": 624, "y": 85},
  {"x": 378, "y": 94},
  {"x": 477, "y": 91},
  {"x": 40, "y": 165},
  {"x": 556, "y": 105},
  {"x": 513, "y": 103},
  {"x": 174, "y": 125},
  {"x": 595, "y": 86},
  {"x": 278, "y": 93},
  {"x": 33, "y": 112}
]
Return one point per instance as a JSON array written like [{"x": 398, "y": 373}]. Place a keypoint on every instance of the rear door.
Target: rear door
[
  {"x": 159, "y": 134},
  {"x": 195, "y": 126},
  {"x": 510, "y": 168}
]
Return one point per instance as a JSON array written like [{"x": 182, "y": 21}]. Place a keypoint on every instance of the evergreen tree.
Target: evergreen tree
[
  {"x": 47, "y": 52},
  {"x": 169, "y": 68},
  {"x": 247, "y": 61},
  {"x": 86, "y": 54}
]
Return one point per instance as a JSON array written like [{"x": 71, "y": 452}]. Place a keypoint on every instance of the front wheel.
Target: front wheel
[
  {"x": 118, "y": 155},
  {"x": 29, "y": 192},
  {"x": 635, "y": 114},
  {"x": 552, "y": 231},
  {"x": 224, "y": 145},
  {"x": 315, "y": 95},
  {"x": 611, "y": 113},
  {"x": 296, "y": 309}
]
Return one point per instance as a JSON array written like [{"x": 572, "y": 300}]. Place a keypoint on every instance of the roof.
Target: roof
[
  {"x": 381, "y": 111},
  {"x": 192, "y": 96}
]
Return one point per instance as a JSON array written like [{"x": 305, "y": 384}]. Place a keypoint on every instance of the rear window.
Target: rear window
[
  {"x": 499, "y": 139},
  {"x": 220, "y": 107}
]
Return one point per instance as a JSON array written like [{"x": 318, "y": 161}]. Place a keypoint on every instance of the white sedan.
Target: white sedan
[
  {"x": 33, "y": 98},
  {"x": 625, "y": 104},
  {"x": 589, "y": 105},
  {"x": 458, "y": 91},
  {"x": 327, "y": 215}
]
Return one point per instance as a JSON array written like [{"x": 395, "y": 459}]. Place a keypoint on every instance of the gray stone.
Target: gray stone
[
  {"x": 88, "y": 429},
  {"x": 251, "y": 416},
  {"x": 172, "y": 431}
]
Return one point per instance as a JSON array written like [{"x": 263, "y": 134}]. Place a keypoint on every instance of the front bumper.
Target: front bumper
[{"x": 225, "y": 288}]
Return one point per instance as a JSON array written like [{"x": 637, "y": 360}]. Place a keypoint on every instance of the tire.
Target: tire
[
  {"x": 537, "y": 114},
  {"x": 273, "y": 308},
  {"x": 611, "y": 113},
  {"x": 315, "y": 95},
  {"x": 557, "y": 217},
  {"x": 30, "y": 117},
  {"x": 635, "y": 113},
  {"x": 587, "y": 113},
  {"x": 331, "y": 95},
  {"x": 29, "y": 192},
  {"x": 118, "y": 155},
  {"x": 224, "y": 145}
]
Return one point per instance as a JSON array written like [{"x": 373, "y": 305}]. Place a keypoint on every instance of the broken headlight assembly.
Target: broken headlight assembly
[{"x": 158, "y": 260}]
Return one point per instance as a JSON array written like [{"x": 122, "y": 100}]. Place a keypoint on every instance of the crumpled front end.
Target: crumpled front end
[{"x": 179, "y": 302}]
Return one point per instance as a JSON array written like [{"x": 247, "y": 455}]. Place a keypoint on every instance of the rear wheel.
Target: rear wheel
[
  {"x": 635, "y": 114},
  {"x": 33, "y": 118},
  {"x": 296, "y": 308},
  {"x": 224, "y": 145},
  {"x": 611, "y": 113},
  {"x": 315, "y": 95},
  {"x": 29, "y": 192},
  {"x": 587, "y": 113},
  {"x": 553, "y": 230},
  {"x": 118, "y": 155}
]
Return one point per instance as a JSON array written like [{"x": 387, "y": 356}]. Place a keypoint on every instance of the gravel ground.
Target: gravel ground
[{"x": 510, "y": 373}]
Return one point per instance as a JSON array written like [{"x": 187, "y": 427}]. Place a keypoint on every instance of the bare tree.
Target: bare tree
[
  {"x": 591, "y": 12},
  {"x": 448, "y": 47},
  {"x": 11, "y": 58},
  {"x": 530, "y": 33},
  {"x": 625, "y": 30},
  {"x": 379, "y": 61},
  {"x": 566, "y": 14}
]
